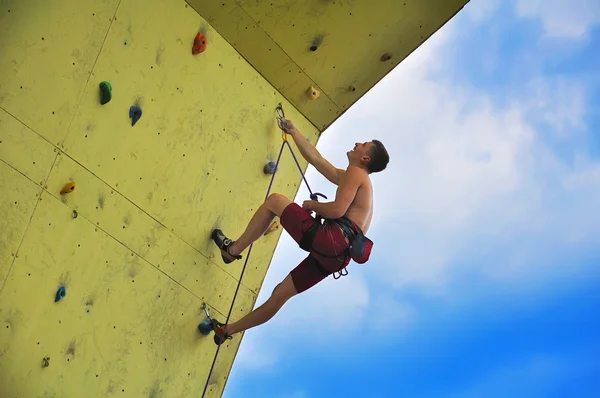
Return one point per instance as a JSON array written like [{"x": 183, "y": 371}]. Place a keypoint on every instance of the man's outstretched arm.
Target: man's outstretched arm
[{"x": 312, "y": 155}]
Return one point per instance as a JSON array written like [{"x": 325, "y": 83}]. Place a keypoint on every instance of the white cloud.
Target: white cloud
[
  {"x": 387, "y": 313},
  {"x": 562, "y": 18},
  {"x": 254, "y": 353},
  {"x": 571, "y": 19},
  {"x": 479, "y": 10},
  {"x": 558, "y": 102}
]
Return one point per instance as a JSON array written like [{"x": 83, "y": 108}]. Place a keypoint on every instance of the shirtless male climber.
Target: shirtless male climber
[{"x": 329, "y": 251}]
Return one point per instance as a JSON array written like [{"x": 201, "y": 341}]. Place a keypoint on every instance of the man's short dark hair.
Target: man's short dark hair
[{"x": 379, "y": 157}]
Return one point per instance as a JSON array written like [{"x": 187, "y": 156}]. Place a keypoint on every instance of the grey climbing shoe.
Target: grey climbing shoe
[{"x": 224, "y": 243}]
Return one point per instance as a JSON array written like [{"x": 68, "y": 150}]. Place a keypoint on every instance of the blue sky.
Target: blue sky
[{"x": 485, "y": 276}]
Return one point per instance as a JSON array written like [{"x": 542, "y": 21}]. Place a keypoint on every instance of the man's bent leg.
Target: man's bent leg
[
  {"x": 281, "y": 294},
  {"x": 303, "y": 277},
  {"x": 263, "y": 217}
]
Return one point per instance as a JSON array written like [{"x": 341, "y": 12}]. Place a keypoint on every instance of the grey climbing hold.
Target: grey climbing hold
[
  {"x": 270, "y": 168},
  {"x": 316, "y": 43}
]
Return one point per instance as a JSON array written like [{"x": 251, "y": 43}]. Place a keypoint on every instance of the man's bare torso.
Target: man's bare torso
[{"x": 361, "y": 209}]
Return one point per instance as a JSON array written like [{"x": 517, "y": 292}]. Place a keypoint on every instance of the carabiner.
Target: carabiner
[
  {"x": 314, "y": 196},
  {"x": 281, "y": 122}
]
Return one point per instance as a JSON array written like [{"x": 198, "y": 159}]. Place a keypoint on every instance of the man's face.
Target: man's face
[{"x": 360, "y": 151}]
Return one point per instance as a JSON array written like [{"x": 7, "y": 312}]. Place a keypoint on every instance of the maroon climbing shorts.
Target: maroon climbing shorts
[{"x": 330, "y": 247}]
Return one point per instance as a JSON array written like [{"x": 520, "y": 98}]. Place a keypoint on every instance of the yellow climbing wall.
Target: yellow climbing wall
[{"x": 131, "y": 244}]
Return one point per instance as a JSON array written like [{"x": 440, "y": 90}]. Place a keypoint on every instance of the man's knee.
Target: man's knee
[
  {"x": 277, "y": 203},
  {"x": 274, "y": 197},
  {"x": 284, "y": 290},
  {"x": 279, "y": 292}
]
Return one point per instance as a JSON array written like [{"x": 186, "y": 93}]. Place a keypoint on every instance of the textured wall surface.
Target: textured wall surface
[{"x": 136, "y": 261}]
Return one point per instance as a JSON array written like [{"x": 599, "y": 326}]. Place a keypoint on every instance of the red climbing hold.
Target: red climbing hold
[{"x": 199, "y": 44}]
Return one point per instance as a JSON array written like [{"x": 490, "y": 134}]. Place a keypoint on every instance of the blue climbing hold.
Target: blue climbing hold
[
  {"x": 205, "y": 327},
  {"x": 60, "y": 294},
  {"x": 135, "y": 113}
]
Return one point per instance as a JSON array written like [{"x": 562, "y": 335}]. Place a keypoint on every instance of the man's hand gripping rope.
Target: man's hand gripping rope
[{"x": 286, "y": 125}]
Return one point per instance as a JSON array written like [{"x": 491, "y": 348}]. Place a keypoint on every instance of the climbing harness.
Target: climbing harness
[
  {"x": 359, "y": 248},
  {"x": 282, "y": 123}
]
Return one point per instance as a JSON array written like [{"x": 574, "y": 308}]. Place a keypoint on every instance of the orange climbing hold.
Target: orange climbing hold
[
  {"x": 68, "y": 188},
  {"x": 199, "y": 44},
  {"x": 273, "y": 227}
]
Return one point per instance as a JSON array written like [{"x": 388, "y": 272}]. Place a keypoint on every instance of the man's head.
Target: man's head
[{"x": 372, "y": 155}]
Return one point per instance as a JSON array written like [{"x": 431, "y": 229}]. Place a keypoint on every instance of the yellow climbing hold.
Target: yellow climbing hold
[
  {"x": 312, "y": 93},
  {"x": 273, "y": 227}
]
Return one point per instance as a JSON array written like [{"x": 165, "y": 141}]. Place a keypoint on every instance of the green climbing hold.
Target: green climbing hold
[{"x": 105, "y": 92}]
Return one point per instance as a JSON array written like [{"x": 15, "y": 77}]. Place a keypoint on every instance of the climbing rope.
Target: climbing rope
[{"x": 281, "y": 121}]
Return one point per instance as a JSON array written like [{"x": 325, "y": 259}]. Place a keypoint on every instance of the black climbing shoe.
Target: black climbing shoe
[
  {"x": 224, "y": 243},
  {"x": 220, "y": 335}
]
